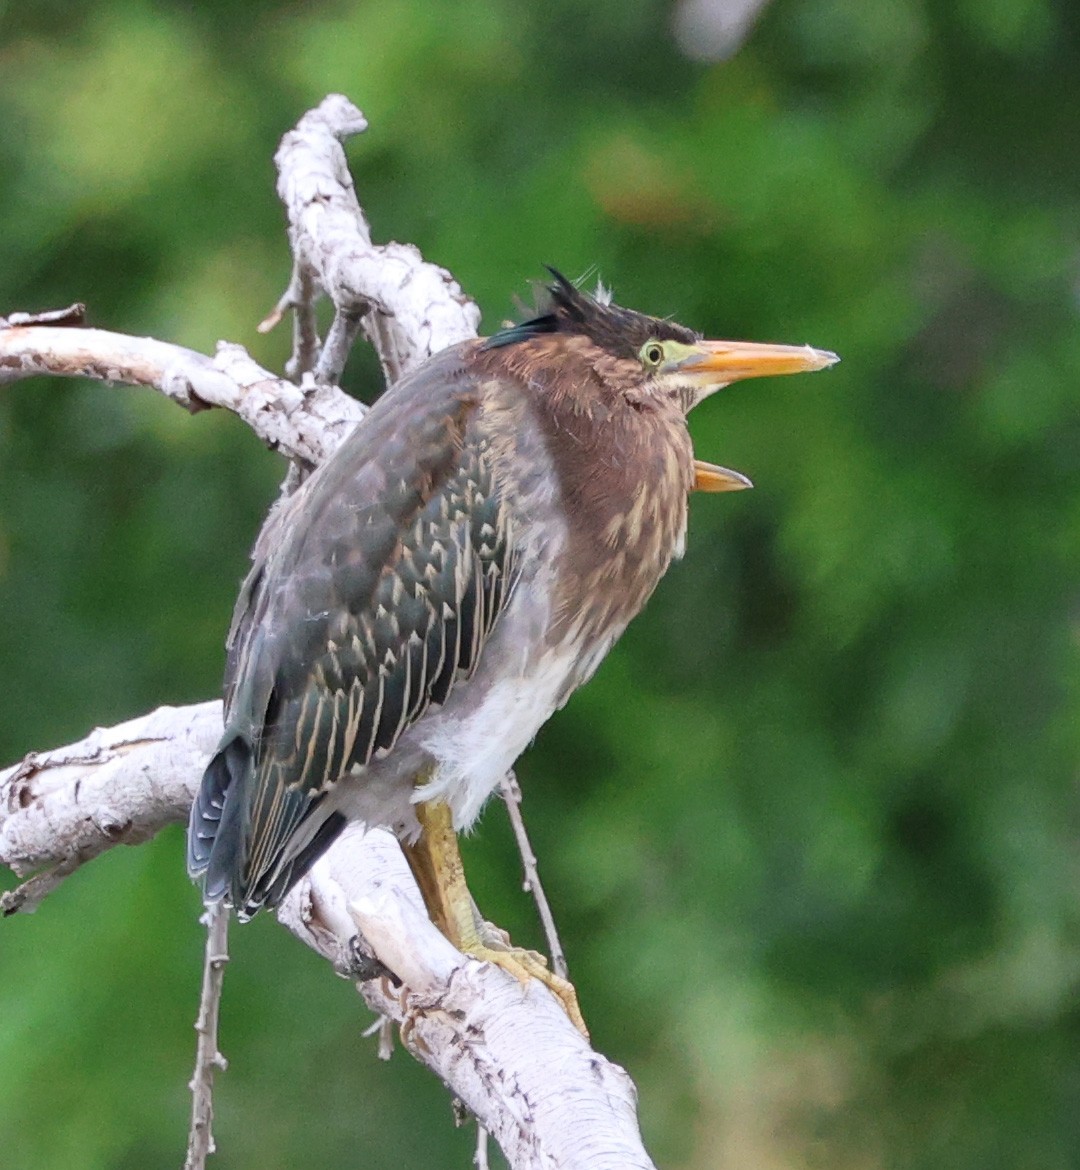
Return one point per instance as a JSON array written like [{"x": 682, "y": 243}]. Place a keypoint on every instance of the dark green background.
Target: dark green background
[{"x": 811, "y": 834}]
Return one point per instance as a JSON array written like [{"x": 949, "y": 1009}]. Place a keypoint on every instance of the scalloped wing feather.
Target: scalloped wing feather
[{"x": 386, "y": 577}]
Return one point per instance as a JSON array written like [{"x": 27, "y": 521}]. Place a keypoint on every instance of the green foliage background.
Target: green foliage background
[{"x": 811, "y": 834}]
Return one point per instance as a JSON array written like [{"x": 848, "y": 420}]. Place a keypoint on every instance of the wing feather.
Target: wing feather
[{"x": 384, "y": 579}]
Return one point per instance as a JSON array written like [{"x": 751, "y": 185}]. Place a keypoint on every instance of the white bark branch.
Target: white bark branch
[
  {"x": 120, "y": 784},
  {"x": 508, "y": 1051},
  {"x": 304, "y": 424},
  {"x": 408, "y": 308}
]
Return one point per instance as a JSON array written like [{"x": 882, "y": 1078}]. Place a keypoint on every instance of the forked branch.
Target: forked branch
[{"x": 508, "y": 1052}]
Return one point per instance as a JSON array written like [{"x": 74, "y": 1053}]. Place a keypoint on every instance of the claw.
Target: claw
[
  {"x": 526, "y": 965},
  {"x": 494, "y": 946}
]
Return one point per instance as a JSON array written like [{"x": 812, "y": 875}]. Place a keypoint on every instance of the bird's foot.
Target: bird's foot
[
  {"x": 493, "y": 946},
  {"x": 436, "y": 865}
]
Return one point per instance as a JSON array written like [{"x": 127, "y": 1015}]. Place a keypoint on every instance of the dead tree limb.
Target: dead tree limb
[{"x": 509, "y": 1053}]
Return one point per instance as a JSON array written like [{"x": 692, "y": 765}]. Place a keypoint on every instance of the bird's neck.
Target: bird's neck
[{"x": 623, "y": 467}]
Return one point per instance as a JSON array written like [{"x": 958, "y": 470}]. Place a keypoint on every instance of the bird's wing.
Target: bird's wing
[{"x": 385, "y": 579}]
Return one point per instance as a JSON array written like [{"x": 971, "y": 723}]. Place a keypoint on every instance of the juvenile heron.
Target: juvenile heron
[{"x": 444, "y": 582}]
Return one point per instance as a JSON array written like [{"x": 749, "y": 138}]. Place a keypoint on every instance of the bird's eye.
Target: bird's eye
[{"x": 653, "y": 353}]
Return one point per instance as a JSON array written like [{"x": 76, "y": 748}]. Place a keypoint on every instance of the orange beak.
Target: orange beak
[
  {"x": 718, "y": 363},
  {"x": 711, "y": 365},
  {"x": 710, "y": 478}
]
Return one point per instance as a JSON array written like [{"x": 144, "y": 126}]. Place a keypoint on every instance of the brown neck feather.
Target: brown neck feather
[{"x": 624, "y": 464}]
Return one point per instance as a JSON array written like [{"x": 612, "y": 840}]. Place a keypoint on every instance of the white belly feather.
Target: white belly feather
[{"x": 478, "y": 746}]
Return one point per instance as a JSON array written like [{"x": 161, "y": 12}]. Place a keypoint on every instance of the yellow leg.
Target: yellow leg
[{"x": 436, "y": 864}]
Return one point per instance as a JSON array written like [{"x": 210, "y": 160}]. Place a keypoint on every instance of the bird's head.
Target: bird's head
[{"x": 651, "y": 358}]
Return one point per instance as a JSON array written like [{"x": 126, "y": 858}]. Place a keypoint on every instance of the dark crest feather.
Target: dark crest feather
[{"x": 567, "y": 309}]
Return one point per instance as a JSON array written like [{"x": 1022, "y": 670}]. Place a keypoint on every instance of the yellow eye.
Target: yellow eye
[{"x": 652, "y": 353}]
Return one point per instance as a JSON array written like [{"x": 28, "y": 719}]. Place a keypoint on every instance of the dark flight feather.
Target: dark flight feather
[{"x": 350, "y": 626}]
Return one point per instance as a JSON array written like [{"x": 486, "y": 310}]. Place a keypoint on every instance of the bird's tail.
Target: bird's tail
[
  {"x": 251, "y": 844},
  {"x": 225, "y": 771}
]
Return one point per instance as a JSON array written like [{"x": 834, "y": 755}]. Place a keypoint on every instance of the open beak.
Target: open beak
[{"x": 713, "y": 364}]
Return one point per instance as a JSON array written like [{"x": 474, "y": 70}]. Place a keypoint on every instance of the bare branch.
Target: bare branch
[
  {"x": 300, "y": 296},
  {"x": 480, "y": 1158},
  {"x": 339, "y": 342},
  {"x": 73, "y": 315},
  {"x": 208, "y": 1058},
  {"x": 304, "y": 424},
  {"x": 510, "y": 791},
  {"x": 408, "y": 308},
  {"x": 509, "y": 1052},
  {"x": 28, "y": 896},
  {"x": 421, "y": 309},
  {"x": 494, "y": 1042},
  {"x": 119, "y": 785}
]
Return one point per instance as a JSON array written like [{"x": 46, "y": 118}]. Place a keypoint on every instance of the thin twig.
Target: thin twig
[
  {"x": 480, "y": 1158},
  {"x": 207, "y": 1056},
  {"x": 377, "y": 330},
  {"x": 27, "y": 897},
  {"x": 510, "y": 791},
  {"x": 383, "y": 1027},
  {"x": 300, "y": 296},
  {"x": 72, "y": 315},
  {"x": 339, "y": 342},
  {"x": 305, "y": 327},
  {"x": 386, "y": 1038}
]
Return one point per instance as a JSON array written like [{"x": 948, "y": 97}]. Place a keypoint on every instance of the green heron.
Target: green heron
[{"x": 444, "y": 582}]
